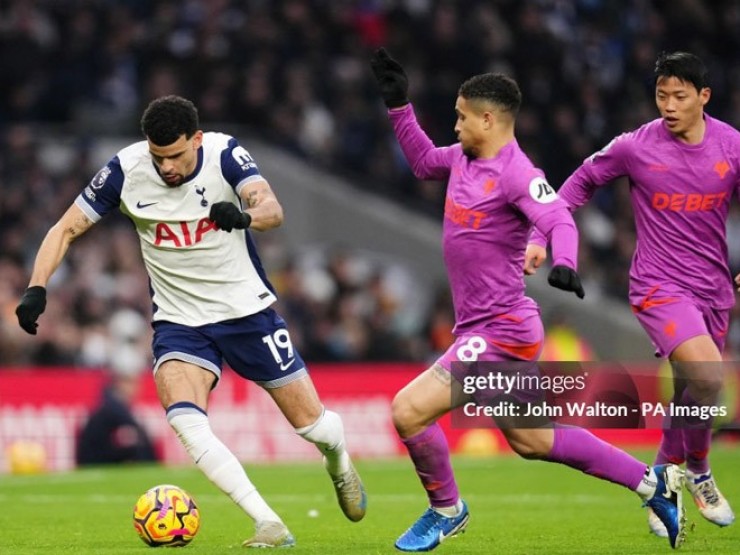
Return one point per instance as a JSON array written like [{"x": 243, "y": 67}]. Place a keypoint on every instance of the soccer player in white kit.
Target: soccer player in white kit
[{"x": 184, "y": 191}]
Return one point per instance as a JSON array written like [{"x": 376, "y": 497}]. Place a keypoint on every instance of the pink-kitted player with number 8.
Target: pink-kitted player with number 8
[{"x": 494, "y": 197}]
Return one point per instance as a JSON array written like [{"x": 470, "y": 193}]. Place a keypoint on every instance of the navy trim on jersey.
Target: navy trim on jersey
[
  {"x": 198, "y": 166},
  {"x": 256, "y": 262},
  {"x": 234, "y": 170},
  {"x": 155, "y": 308},
  {"x": 103, "y": 193},
  {"x": 195, "y": 172}
]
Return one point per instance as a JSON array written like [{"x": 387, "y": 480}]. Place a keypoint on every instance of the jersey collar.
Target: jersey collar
[{"x": 198, "y": 166}]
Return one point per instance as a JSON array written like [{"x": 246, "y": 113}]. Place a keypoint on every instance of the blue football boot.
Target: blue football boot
[
  {"x": 432, "y": 529},
  {"x": 667, "y": 502}
]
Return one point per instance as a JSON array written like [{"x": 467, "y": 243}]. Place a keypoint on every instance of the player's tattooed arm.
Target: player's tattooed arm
[
  {"x": 458, "y": 397},
  {"x": 441, "y": 375},
  {"x": 70, "y": 226},
  {"x": 77, "y": 224},
  {"x": 262, "y": 205}
]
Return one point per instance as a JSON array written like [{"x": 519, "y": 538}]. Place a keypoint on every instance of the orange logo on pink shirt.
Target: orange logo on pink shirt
[
  {"x": 692, "y": 202},
  {"x": 722, "y": 167},
  {"x": 462, "y": 216},
  {"x": 489, "y": 185}
]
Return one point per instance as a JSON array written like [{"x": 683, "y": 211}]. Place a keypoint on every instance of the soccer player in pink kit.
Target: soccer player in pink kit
[
  {"x": 494, "y": 195},
  {"x": 683, "y": 168}
]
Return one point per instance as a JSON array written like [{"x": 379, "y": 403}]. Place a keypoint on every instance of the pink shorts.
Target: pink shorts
[
  {"x": 669, "y": 321},
  {"x": 515, "y": 336}
]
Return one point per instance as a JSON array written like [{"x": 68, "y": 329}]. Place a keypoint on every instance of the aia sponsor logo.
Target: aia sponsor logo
[
  {"x": 182, "y": 234},
  {"x": 692, "y": 202}
]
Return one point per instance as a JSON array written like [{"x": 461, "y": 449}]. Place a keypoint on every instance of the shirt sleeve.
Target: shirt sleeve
[
  {"x": 237, "y": 166},
  {"x": 542, "y": 206},
  {"x": 558, "y": 227},
  {"x": 425, "y": 160},
  {"x": 597, "y": 170},
  {"x": 103, "y": 193}
]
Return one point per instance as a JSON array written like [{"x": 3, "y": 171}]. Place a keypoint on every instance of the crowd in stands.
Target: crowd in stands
[{"x": 296, "y": 73}]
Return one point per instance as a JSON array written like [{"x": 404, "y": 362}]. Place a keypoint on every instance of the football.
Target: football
[{"x": 166, "y": 515}]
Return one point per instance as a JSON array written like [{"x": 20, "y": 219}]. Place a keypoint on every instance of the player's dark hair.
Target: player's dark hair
[
  {"x": 493, "y": 87},
  {"x": 168, "y": 117},
  {"x": 683, "y": 66}
]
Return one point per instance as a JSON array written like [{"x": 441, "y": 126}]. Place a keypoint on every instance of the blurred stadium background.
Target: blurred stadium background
[{"x": 358, "y": 263}]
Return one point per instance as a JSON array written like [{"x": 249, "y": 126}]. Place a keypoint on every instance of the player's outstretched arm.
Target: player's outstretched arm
[
  {"x": 53, "y": 248},
  {"x": 426, "y": 161},
  {"x": 392, "y": 80}
]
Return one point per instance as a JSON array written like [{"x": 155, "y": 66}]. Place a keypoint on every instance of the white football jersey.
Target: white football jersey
[{"x": 199, "y": 274}]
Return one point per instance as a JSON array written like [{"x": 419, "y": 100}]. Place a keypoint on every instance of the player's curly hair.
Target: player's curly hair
[
  {"x": 684, "y": 66},
  {"x": 493, "y": 87},
  {"x": 168, "y": 117}
]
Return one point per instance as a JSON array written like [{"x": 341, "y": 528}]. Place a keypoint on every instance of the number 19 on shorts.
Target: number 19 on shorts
[{"x": 280, "y": 340}]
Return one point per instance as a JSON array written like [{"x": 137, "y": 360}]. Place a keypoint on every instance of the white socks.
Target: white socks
[
  {"x": 450, "y": 512},
  {"x": 220, "y": 465},
  {"x": 327, "y": 433},
  {"x": 216, "y": 461}
]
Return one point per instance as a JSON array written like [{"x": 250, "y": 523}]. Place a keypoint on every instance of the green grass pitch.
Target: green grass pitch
[{"x": 517, "y": 507}]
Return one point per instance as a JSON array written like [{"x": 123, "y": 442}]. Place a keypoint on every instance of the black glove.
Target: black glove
[
  {"x": 394, "y": 85},
  {"x": 227, "y": 216},
  {"x": 566, "y": 279},
  {"x": 32, "y": 305}
]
